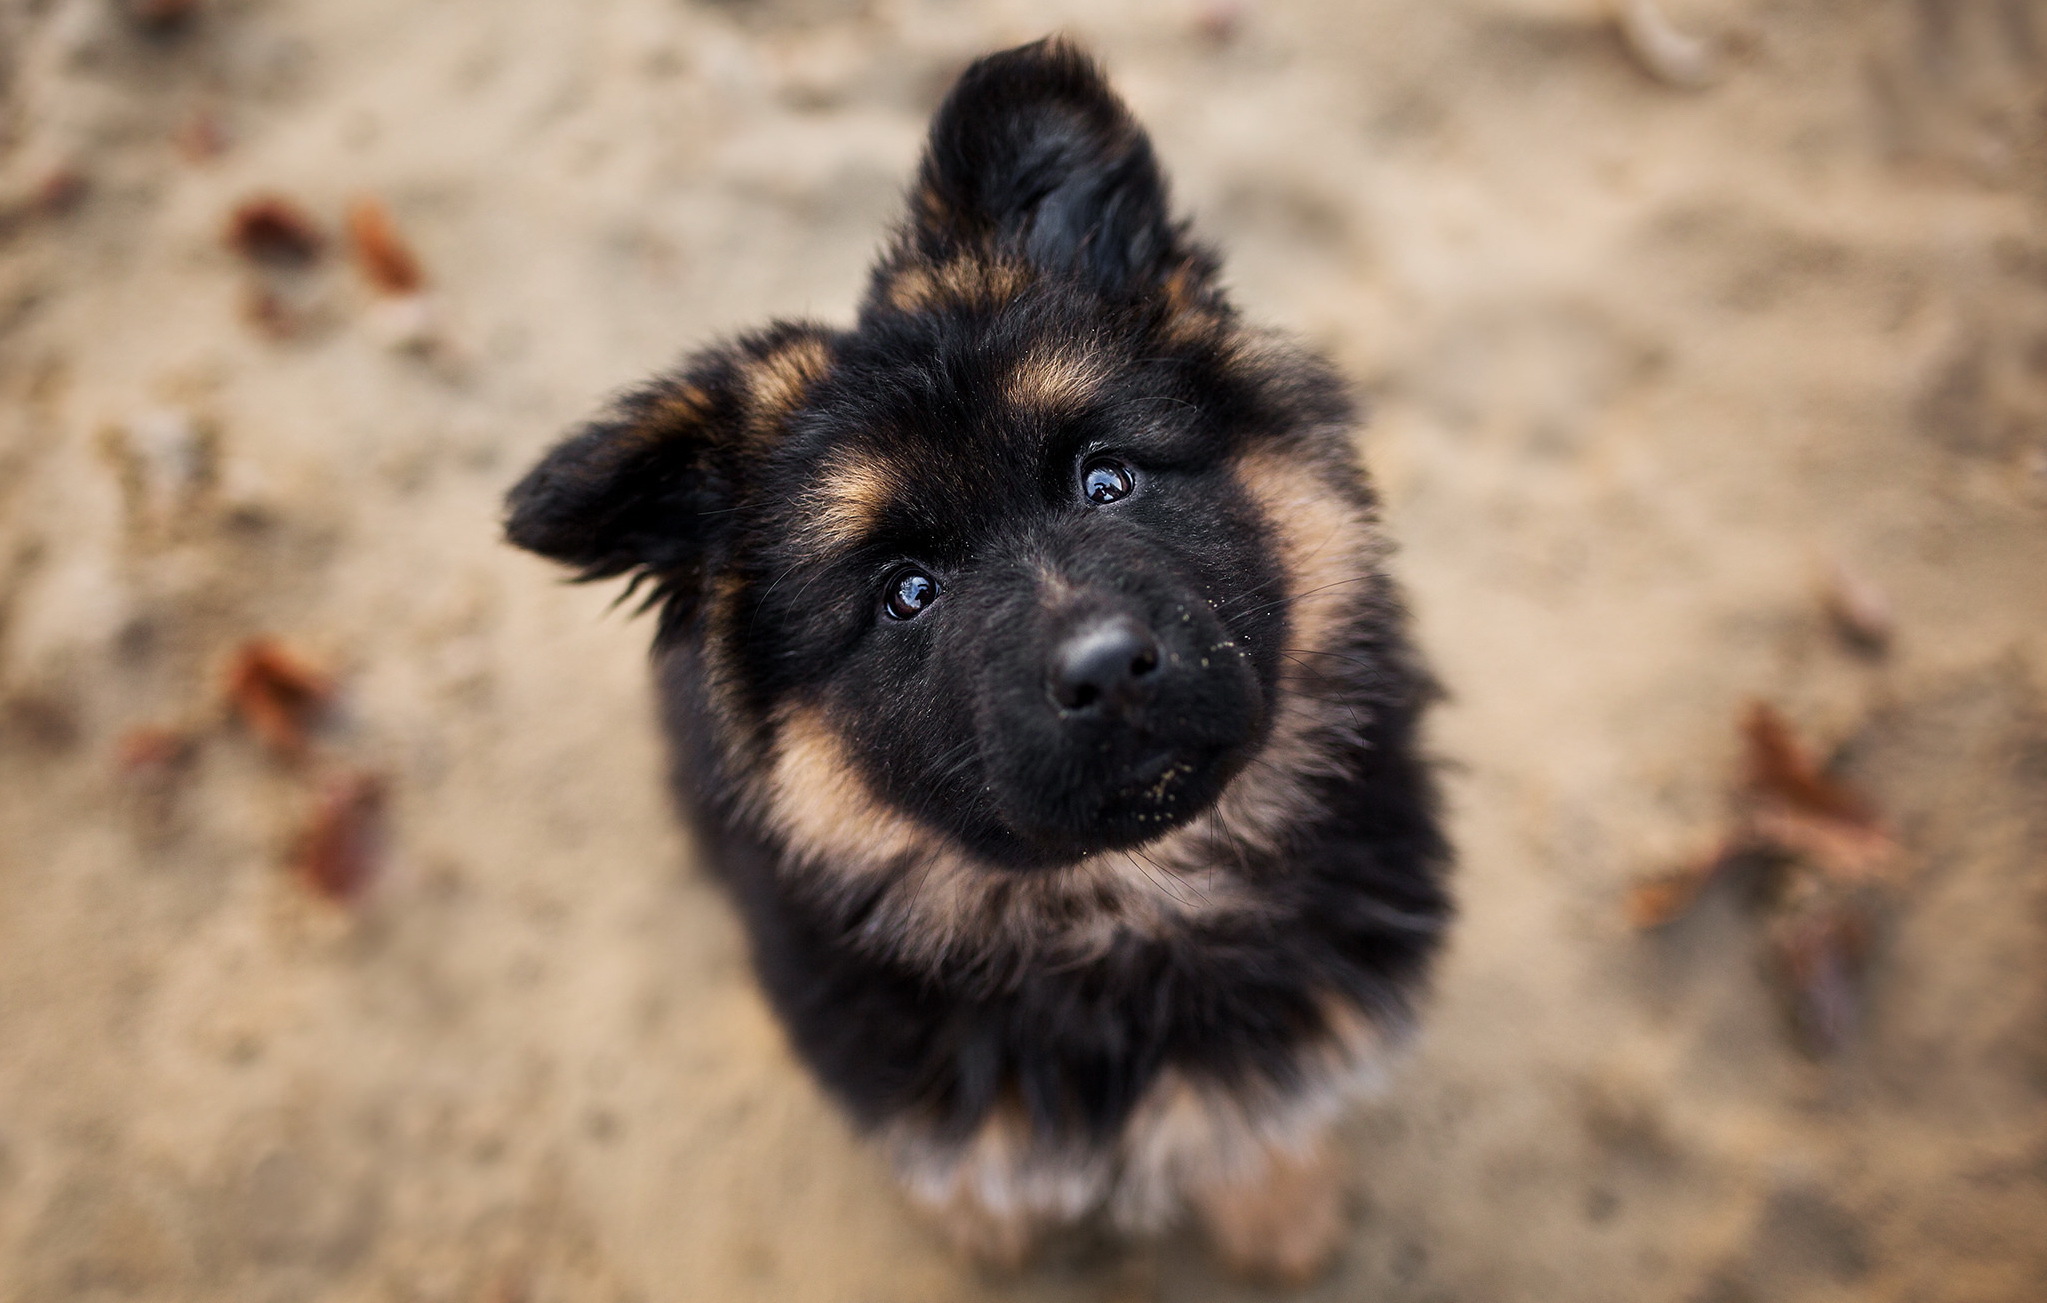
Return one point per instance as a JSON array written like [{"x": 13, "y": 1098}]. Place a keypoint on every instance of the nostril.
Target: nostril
[{"x": 1144, "y": 662}]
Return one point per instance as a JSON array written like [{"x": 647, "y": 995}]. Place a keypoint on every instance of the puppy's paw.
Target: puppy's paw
[
  {"x": 1283, "y": 1227},
  {"x": 1003, "y": 1243}
]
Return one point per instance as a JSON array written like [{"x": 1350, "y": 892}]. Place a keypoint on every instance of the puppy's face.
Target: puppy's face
[
  {"x": 1003, "y": 557},
  {"x": 1003, "y": 554}
]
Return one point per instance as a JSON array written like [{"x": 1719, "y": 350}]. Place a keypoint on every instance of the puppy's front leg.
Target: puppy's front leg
[
  {"x": 998, "y": 1240},
  {"x": 1283, "y": 1223}
]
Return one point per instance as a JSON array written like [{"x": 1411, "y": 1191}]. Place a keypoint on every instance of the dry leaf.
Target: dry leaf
[
  {"x": 1780, "y": 769},
  {"x": 380, "y": 251},
  {"x": 1849, "y": 854},
  {"x": 277, "y": 694},
  {"x": 1832, "y": 849},
  {"x": 273, "y": 230},
  {"x": 339, "y": 851},
  {"x": 1667, "y": 897}
]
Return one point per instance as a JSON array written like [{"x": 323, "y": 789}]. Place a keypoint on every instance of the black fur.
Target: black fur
[{"x": 1039, "y": 309}]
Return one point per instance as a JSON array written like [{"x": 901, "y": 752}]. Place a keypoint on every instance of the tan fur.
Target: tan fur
[
  {"x": 822, "y": 807},
  {"x": 939, "y": 904},
  {"x": 1330, "y": 551},
  {"x": 1189, "y": 315},
  {"x": 847, "y": 501},
  {"x": 682, "y": 409},
  {"x": 720, "y": 677},
  {"x": 931, "y": 208},
  {"x": 996, "y": 1195},
  {"x": 777, "y": 383},
  {"x": 1055, "y": 380},
  {"x": 974, "y": 282}
]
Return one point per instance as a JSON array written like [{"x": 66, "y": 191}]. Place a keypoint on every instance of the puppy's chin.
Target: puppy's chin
[{"x": 1163, "y": 791}]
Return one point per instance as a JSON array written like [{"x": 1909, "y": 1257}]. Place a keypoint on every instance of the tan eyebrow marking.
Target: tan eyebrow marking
[
  {"x": 1055, "y": 379},
  {"x": 847, "y": 502}
]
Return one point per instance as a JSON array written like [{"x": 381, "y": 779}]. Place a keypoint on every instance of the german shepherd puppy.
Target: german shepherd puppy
[{"x": 1035, "y": 685}]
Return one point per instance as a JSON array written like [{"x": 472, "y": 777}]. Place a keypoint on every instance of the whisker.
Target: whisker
[
  {"x": 1349, "y": 707},
  {"x": 1308, "y": 592},
  {"x": 1151, "y": 877}
]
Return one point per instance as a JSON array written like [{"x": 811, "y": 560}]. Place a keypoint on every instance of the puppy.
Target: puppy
[{"x": 1034, "y": 684}]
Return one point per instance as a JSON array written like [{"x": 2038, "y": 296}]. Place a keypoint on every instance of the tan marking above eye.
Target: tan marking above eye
[
  {"x": 847, "y": 501},
  {"x": 1054, "y": 379}
]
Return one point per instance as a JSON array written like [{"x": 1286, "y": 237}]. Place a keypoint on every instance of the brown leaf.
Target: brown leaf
[
  {"x": 1667, "y": 897},
  {"x": 273, "y": 230},
  {"x": 339, "y": 850},
  {"x": 380, "y": 251},
  {"x": 1781, "y": 769},
  {"x": 1830, "y": 846},
  {"x": 276, "y": 693},
  {"x": 1845, "y": 853}
]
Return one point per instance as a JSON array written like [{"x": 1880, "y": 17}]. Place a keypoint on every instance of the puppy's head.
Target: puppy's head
[{"x": 1018, "y": 563}]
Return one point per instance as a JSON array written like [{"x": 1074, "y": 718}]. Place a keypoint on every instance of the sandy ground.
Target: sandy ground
[{"x": 1643, "y": 359}]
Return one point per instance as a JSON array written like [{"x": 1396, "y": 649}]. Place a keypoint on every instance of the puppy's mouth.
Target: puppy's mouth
[
  {"x": 1155, "y": 779},
  {"x": 1154, "y": 796}
]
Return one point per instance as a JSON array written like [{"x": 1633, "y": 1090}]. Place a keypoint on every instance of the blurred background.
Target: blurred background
[{"x": 348, "y": 949}]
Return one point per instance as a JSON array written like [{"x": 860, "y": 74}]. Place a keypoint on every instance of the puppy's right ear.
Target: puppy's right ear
[{"x": 649, "y": 486}]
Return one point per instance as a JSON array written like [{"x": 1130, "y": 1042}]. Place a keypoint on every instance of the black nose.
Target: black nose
[{"x": 1108, "y": 663}]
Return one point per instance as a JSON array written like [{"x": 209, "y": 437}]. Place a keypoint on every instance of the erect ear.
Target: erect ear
[
  {"x": 1032, "y": 158},
  {"x": 648, "y": 486}
]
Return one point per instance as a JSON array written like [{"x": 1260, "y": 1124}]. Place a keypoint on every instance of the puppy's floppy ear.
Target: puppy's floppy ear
[
  {"x": 1032, "y": 158},
  {"x": 649, "y": 486}
]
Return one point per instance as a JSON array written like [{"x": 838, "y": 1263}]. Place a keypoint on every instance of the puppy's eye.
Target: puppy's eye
[
  {"x": 909, "y": 592},
  {"x": 1105, "y": 480}
]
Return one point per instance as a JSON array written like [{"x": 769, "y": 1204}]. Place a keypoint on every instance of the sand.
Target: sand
[{"x": 1647, "y": 351}]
